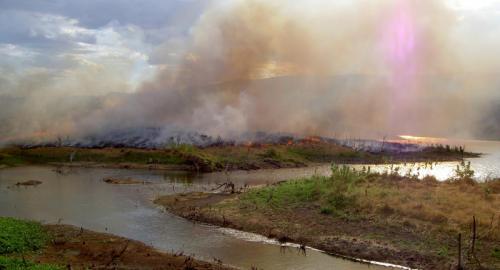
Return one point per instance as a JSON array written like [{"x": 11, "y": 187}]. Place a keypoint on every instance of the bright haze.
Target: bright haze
[{"x": 366, "y": 68}]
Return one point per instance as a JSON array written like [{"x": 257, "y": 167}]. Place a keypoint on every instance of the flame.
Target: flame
[
  {"x": 249, "y": 144},
  {"x": 315, "y": 139},
  {"x": 37, "y": 134},
  {"x": 289, "y": 143}
]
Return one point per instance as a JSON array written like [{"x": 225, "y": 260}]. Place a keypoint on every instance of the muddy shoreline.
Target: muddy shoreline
[
  {"x": 167, "y": 167},
  {"x": 347, "y": 239},
  {"x": 79, "y": 248}
]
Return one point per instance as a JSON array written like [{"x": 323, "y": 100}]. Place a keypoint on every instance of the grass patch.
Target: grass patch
[
  {"x": 288, "y": 194},
  {"x": 19, "y": 264},
  {"x": 424, "y": 216},
  {"x": 16, "y": 155},
  {"x": 21, "y": 236}
]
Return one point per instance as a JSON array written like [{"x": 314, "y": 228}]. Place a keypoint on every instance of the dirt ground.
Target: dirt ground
[
  {"x": 309, "y": 228},
  {"x": 126, "y": 165},
  {"x": 118, "y": 181},
  {"x": 77, "y": 248}
]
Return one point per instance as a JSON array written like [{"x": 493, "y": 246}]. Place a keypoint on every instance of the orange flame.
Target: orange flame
[
  {"x": 249, "y": 144},
  {"x": 316, "y": 139},
  {"x": 289, "y": 143}
]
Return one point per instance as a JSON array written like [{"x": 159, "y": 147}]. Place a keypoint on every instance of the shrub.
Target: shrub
[
  {"x": 328, "y": 210},
  {"x": 495, "y": 253},
  {"x": 271, "y": 153},
  {"x": 464, "y": 171},
  {"x": 342, "y": 200}
]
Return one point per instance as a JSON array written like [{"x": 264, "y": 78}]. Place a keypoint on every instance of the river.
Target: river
[{"x": 80, "y": 198}]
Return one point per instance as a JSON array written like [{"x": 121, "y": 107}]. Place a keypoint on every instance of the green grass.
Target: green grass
[
  {"x": 19, "y": 264},
  {"x": 495, "y": 253},
  {"x": 16, "y": 155},
  {"x": 288, "y": 194},
  {"x": 21, "y": 236},
  {"x": 334, "y": 192}
]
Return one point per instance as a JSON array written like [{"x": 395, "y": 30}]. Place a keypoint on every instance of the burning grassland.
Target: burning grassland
[
  {"x": 175, "y": 137},
  {"x": 222, "y": 155}
]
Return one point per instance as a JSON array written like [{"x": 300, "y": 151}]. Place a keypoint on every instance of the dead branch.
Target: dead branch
[
  {"x": 114, "y": 256},
  {"x": 227, "y": 165},
  {"x": 302, "y": 249},
  {"x": 81, "y": 232},
  {"x": 219, "y": 261},
  {"x": 226, "y": 186}
]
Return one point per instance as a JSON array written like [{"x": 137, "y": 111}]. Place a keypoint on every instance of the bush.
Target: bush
[
  {"x": 342, "y": 200},
  {"x": 327, "y": 210},
  {"x": 271, "y": 153},
  {"x": 464, "y": 171}
]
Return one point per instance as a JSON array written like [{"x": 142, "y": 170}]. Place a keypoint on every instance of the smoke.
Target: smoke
[{"x": 366, "y": 68}]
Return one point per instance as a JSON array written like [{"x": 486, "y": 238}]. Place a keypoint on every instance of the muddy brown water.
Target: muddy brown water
[{"x": 80, "y": 198}]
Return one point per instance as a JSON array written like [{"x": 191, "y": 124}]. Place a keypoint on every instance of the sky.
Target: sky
[{"x": 365, "y": 68}]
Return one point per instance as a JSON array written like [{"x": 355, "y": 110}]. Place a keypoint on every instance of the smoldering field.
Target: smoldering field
[{"x": 362, "y": 68}]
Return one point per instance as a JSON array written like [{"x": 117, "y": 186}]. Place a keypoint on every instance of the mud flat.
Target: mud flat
[
  {"x": 206, "y": 208},
  {"x": 397, "y": 220},
  {"x": 119, "y": 181},
  {"x": 77, "y": 248}
]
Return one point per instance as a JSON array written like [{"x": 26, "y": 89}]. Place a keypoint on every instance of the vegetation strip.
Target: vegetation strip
[
  {"x": 221, "y": 158},
  {"x": 30, "y": 245},
  {"x": 373, "y": 216}
]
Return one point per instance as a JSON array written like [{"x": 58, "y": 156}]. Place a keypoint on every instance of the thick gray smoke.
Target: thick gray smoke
[{"x": 366, "y": 68}]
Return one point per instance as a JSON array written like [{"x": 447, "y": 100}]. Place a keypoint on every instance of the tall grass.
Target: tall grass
[
  {"x": 442, "y": 207},
  {"x": 336, "y": 192},
  {"x": 186, "y": 147}
]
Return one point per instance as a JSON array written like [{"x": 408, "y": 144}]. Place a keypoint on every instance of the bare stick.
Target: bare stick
[
  {"x": 271, "y": 196},
  {"x": 491, "y": 225},
  {"x": 227, "y": 165},
  {"x": 459, "y": 267},
  {"x": 117, "y": 255},
  {"x": 473, "y": 233}
]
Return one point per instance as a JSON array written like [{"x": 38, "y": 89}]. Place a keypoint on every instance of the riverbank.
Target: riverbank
[
  {"x": 69, "y": 247},
  {"x": 220, "y": 158},
  {"x": 379, "y": 217}
]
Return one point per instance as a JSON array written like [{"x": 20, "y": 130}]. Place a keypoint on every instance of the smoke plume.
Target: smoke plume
[{"x": 367, "y": 69}]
